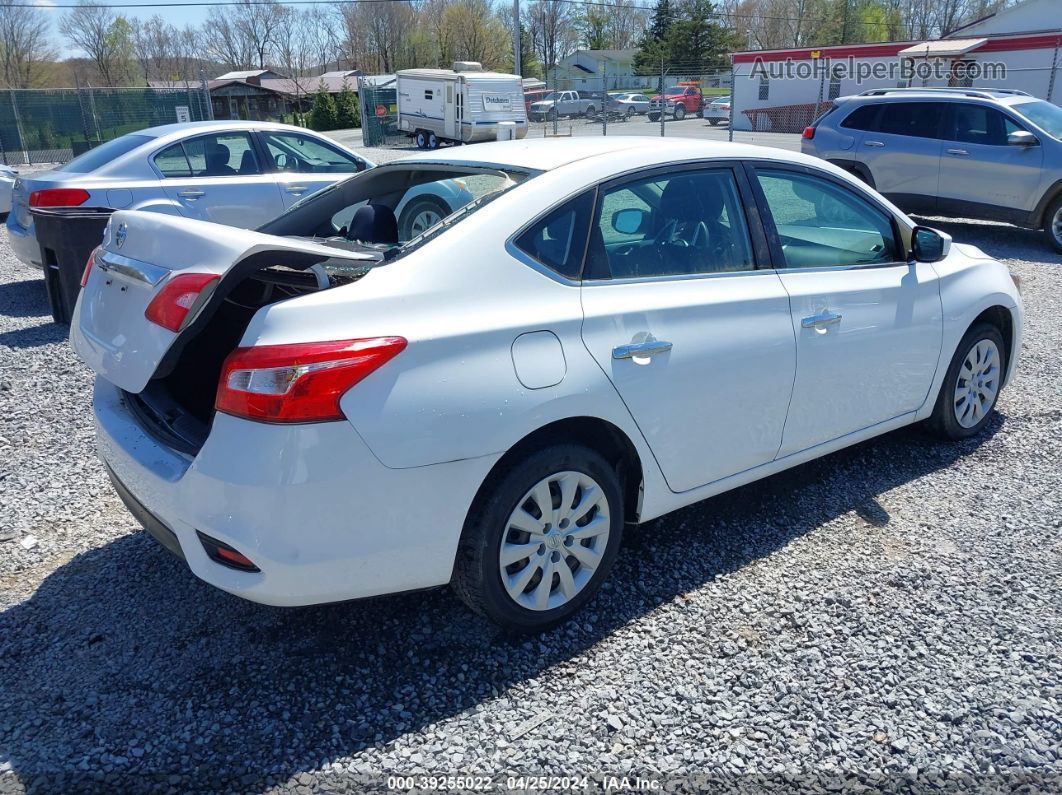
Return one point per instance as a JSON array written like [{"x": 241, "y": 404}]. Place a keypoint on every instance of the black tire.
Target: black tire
[
  {"x": 420, "y": 138},
  {"x": 943, "y": 421},
  {"x": 630, "y": 112},
  {"x": 415, "y": 208},
  {"x": 654, "y": 117},
  {"x": 713, "y": 122},
  {"x": 680, "y": 112},
  {"x": 477, "y": 578},
  {"x": 433, "y": 141},
  {"x": 1052, "y": 230},
  {"x": 590, "y": 111}
]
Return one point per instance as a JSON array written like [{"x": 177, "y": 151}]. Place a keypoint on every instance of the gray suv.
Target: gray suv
[{"x": 994, "y": 154}]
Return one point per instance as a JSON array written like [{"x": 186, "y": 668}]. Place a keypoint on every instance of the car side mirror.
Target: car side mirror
[
  {"x": 1022, "y": 138},
  {"x": 630, "y": 221},
  {"x": 929, "y": 245}
]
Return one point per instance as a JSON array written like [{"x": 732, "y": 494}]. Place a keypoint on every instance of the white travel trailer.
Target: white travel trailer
[{"x": 459, "y": 105}]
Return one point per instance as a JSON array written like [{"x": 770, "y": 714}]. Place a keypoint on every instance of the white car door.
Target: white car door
[
  {"x": 696, "y": 339},
  {"x": 868, "y": 322},
  {"x": 303, "y": 164},
  {"x": 218, "y": 177}
]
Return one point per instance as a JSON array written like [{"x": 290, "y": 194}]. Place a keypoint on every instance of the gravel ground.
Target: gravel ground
[{"x": 884, "y": 618}]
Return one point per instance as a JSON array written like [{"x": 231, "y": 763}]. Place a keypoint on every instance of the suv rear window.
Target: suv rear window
[
  {"x": 863, "y": 118},
  {"x": 917, "y": 119}
]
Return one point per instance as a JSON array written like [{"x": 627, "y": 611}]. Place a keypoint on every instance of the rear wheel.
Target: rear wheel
[
  {"x": 1053, "y": 224},
  {"x": 680, "y": 112},
  {"x": 630, "y": 112},
  {"x": 541, "y": 538},
  {"x": 421, "y": 139},
  {"x": 590, "y": 111},
  {"x": 972, "y": 384},
  {"x": 713, "y": 122},
  {"x": 433, "y": 141}
]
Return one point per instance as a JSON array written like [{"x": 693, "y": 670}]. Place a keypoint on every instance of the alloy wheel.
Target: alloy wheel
[
  {"x": 554, "y": 541},
  {"x": 978, "y": 383},
  {"x": 423, "y": 221},
  {"x": 1056, "y": 225}
]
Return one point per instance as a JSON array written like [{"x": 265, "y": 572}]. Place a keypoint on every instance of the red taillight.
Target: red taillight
[
  {"x": 301, "y": 382},
  {"x": 809, "y": 133},
  {"x": 88, "y": 266},
  {"x": 58, "y": 197},
  {"x": 181, "y": 294}
]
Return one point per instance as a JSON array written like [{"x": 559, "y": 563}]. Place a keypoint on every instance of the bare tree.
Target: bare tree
[
  {"x": 553, "y": 31},
  {"x": 105, "y": 37},
  {"x": 164, "y": 52},
  {"x": 24, "y": 45}
]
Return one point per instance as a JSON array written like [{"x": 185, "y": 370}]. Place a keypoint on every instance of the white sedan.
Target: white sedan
[
  {"x": 613, "y": 329},
  {"x": 8, "y": 176},
  {"x": 240, "y": 173}
]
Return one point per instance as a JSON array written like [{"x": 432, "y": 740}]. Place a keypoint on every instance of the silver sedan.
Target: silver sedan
[
  {"x": 628, "y": 104},
  {"x": 239, "y": 173}
]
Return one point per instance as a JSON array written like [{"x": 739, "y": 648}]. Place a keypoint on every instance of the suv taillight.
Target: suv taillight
[
  {"x": 302, "y": 382},
  {"x": 58, "y": 197},
  {"x": 181, "y": 294},
  {"x": 809, "y": 133}
]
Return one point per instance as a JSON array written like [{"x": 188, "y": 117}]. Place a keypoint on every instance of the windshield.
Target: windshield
[
  {"x": 549, "y": 96},
  {"x": 384, "y": 210},
  {"x": 104, "y": 153},
  {"x": 1044, "y": 115}
]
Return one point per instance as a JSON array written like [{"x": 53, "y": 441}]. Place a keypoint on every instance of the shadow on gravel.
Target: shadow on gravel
[
  {"x": 1000, "y": 240},
  {"x": 26, "y": 298},
  {"x": 122, "y": 660},
  {"x": 44, "y": 334}
]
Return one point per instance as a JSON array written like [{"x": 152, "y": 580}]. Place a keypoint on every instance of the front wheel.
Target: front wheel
[
  {"x": 680, "y": 113},
  {"x": 541, "y": 538},
  {"x": 713, "y": 122},
  {"x": 654, "y": 117},
  {"x": 972, "y": 384},
  {"x": 1053, "y": 224}
]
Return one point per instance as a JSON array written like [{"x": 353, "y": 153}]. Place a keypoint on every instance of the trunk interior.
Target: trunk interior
[{"x": 178, "y": 407}]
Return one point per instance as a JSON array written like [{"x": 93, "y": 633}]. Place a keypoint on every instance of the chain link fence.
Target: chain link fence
[{"x": 40, "y": 126}]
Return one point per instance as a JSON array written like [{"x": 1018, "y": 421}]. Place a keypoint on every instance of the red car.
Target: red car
[{"x": 677, "y": 102}]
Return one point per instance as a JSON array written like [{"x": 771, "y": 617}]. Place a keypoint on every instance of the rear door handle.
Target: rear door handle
[
  {"x": 873, "y": 143},
  {"x": 957, "y": 152},
  {"x": 640, "y": 349},
  {"x": 296, "y": 189},
  {"x": 821, "y": 320},
  {"x": 191, "y": 193}
]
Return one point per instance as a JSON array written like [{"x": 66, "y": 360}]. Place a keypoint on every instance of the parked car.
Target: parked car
[
  {"x": 677, "y": 102},
  {"x": 628, "y": 104},
  {"x": 8, "y": 176},
  {"x": 563, "y": 103},
  {"x": 613, "y": 329},
  {"x": 230, "y": 172},
  {"x": 970, "y": 153},
  {"x": 717, "y": 111}
]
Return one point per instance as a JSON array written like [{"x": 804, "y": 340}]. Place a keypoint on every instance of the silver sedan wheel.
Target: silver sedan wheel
[
  {"x": 1056, "y": 225},
  {"x": 554, "y": 541},
  {"x": 423, "y": 221},
  {"x": 978, "y": 383}
]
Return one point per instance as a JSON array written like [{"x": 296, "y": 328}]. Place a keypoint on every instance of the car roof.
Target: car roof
[
  {"x": 546, "y": 154},
  {"x": 194, "y": 127},
  {"x": 938, "y": 95}
]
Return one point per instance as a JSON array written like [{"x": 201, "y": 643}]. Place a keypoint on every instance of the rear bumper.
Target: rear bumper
[
  {"x": 23, "y": 242},
  {"x": 310, "y": 505}
]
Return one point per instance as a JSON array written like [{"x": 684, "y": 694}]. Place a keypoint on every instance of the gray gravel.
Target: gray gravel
[{"x": 884, "y": 618}]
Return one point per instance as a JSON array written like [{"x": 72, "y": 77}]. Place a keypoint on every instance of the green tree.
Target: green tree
[
  {"x": 653, "y": 48},
  {"x": 347, "y": 113},
  {"x": 323, "y": 114},
  {"x": 593, "y": 24},
  {"x": 702, "y": 42}
]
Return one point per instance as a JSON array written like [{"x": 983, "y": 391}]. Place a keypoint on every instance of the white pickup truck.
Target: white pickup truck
[{"x": 562, "y": 103}]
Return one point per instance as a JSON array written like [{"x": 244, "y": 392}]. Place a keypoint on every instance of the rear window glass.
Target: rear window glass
[
  {"x": 104, "y": 154},
  {"x": 861, "y": 118}
]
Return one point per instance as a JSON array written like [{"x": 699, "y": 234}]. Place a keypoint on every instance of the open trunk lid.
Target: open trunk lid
[{"x": 141, "y": 253}]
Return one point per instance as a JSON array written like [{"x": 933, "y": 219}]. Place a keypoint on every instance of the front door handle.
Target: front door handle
[
  {"x": 296, "y": 189},
  {"x": 640, "y": 349},
  {"x": 957, "y": 152},
  {"x": 821, "y": 320},
  {"x": 191, "y": 193},
  {"x": 873, "y": 143}
]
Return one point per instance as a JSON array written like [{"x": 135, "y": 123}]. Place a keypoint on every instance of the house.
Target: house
[
  {"x": 1019, "y": 47},
  {"x": 596, "y": 70}
]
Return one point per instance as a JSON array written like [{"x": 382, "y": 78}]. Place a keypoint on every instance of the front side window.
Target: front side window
[
  {"x": 822, "y": 224},
  {"x": 215, "y": 155},
  {"x": 1044, "y": 115},
  {"x": 978, "y": 124},
  {"x": 559, "y": 239},
  {"x": 915, "y": 119},
  {"x": 305, "y": 155},
  {"x": 689, "y": 222}
]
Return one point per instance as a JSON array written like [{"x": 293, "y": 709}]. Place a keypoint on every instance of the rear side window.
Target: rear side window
[
  {"x": 914, "y": 119},
  {"x": 558, "y": 240},
  {"x": 864, "y": 118}
]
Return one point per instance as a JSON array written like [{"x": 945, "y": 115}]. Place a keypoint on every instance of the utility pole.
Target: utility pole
[
  {"x": 517, "y": 66},
  {"x": 844, "y": 25}
]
